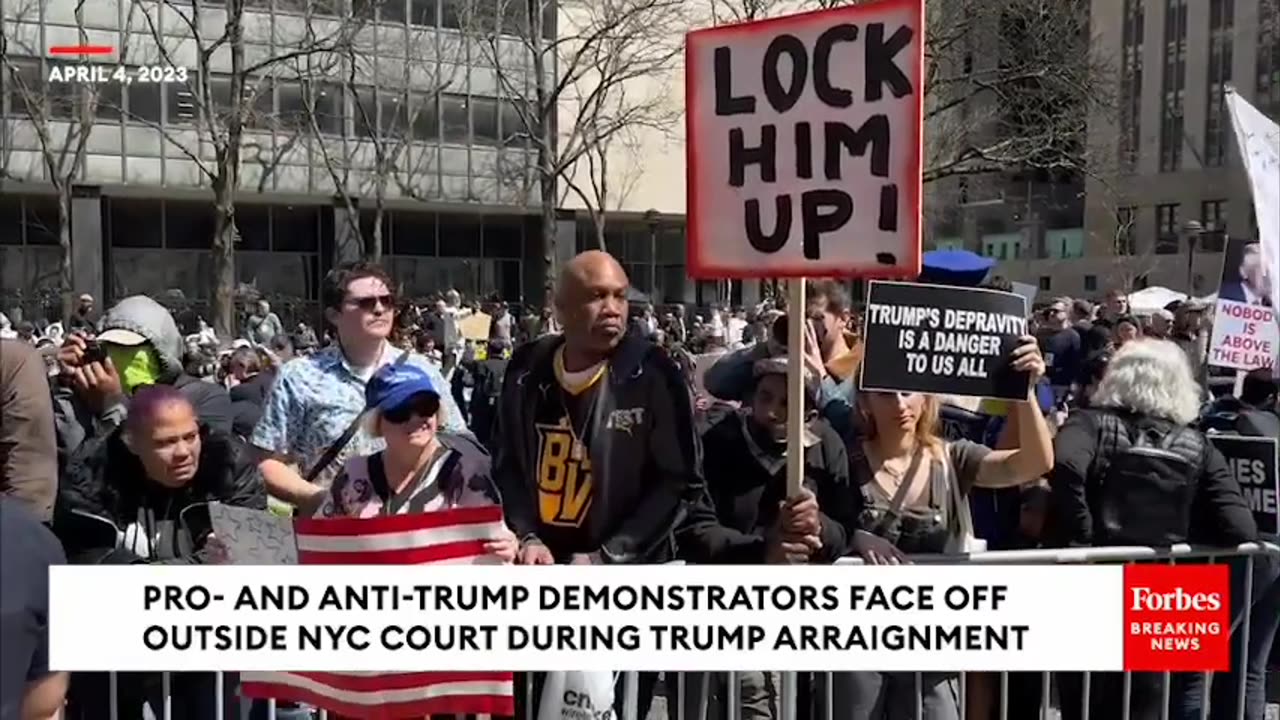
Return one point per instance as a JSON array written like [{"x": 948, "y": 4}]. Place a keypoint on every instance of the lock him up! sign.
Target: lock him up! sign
[{"x": 804, "y": 144}]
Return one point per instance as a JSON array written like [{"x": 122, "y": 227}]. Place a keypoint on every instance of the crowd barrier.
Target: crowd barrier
[{"x": 820, "y": 704}]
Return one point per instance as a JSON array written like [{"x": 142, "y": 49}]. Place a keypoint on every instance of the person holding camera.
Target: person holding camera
[{"x": 138, "y": 344}]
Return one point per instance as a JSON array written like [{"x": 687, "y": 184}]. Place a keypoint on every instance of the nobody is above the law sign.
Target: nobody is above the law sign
[
  {"x": 943, "y": 340},
  {"x": 804, "y": 144}
]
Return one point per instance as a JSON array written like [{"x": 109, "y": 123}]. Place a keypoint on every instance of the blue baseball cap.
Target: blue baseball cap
[{"x": 394, "y": 384}]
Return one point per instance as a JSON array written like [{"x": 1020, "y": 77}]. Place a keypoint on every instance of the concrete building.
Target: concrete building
[
  {"x": 1168, "y": 156},
  {"x": 421, "y": 94}
]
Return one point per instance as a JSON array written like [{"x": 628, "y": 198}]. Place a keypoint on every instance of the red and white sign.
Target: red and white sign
[
  {"x": 1177, "y": 618},
  {"x": 1245, "y": 334},
  {"x": 804, "y": 144}
]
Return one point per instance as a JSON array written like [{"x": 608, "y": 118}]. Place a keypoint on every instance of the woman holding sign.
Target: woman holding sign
[{"x": 914, "y": 491}]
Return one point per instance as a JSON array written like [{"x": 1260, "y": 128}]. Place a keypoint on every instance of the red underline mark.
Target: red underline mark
[{"x": 82, "y": 50}]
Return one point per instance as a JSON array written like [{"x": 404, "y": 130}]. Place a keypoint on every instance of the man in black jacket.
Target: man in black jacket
[
  {"x": 486, "y": 391},
  {"x": 748, "y": 515},
  {"x": 596, "y": 456}
]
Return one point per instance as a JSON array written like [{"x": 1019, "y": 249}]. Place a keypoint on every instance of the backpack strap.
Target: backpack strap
[{"x": 337, "y": 446}]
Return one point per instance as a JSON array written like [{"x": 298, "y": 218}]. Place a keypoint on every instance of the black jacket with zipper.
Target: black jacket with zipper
[
  {"x": 731, "y": 524},
  {"x": 105, "y": 491},
  {"x": 646, "y": 476}
]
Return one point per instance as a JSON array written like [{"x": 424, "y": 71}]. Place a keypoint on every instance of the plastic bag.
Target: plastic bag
[{"x": 577, "y": 695}]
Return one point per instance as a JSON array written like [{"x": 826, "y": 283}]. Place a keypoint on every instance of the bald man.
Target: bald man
[
  {"x": 594, "y": 447},
  {"x": 595, "y": 451}
]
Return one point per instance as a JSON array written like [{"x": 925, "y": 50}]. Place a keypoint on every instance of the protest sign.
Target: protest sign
[
  {"x": 1245, "y": 334},
  {"x": 1254, "y": 463},
  {"x": 1026, "y": 290},
  {"x": 804, "y": 144},
  {"x": 943, "y": 340},
  {"x": 1258, "y": 140},
  {"x": 253, "y": 537}
]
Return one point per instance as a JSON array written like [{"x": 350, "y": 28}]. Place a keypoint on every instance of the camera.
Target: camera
[{"x": 93, "y": 353}]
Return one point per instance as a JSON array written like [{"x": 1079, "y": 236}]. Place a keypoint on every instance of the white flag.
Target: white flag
[{"x": 1258, "y": 139}]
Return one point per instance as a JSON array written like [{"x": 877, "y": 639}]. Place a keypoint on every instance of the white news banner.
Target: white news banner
[{"x": 672, "y": 618}]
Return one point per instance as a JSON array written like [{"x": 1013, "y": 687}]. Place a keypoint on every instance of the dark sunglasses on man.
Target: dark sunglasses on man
[{"x": 370, "y": 303}]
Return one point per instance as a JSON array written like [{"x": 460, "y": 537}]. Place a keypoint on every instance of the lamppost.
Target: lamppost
[
  {"x": 653, "y": 218},
  {"x": 1192, "y": 230}
]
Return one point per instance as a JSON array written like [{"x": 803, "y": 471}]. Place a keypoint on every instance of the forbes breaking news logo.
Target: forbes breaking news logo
[{"x": 1177, "y": 618}]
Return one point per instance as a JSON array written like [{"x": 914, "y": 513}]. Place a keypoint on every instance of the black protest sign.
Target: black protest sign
[
  {"x": 1253, "y": 462},
  {"x": 803, "y": 137},
  {"x": 943, "y": 340}
]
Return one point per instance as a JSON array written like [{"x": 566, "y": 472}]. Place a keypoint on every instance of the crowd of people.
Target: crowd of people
[{"x": 588, "y": 422}]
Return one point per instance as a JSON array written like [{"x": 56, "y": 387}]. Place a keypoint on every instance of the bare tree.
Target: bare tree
[
  {"x": 576, "y": 81},
  {"x": 1009, "y": 84},
  {"x": 733, "y": 11},
  {"x": 394, "y": 114},
  {"x": 187, "y": 35},
  {"x": 60, "y": 114}
]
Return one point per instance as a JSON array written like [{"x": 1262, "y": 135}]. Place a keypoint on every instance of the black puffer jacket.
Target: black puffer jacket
[{"x": 108, "y": 511}]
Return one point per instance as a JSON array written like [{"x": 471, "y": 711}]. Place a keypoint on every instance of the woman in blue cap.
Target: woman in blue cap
[{"x": 421, "y": 469}]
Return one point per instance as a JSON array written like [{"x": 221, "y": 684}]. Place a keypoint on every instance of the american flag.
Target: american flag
[{"x": 446, "y": 537}]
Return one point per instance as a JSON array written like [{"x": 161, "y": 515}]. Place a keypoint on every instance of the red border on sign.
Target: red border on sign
[{"x": 696, "y": 265}]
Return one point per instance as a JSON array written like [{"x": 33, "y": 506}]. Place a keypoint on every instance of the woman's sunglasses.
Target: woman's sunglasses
[{"x": 423, "y": 406}]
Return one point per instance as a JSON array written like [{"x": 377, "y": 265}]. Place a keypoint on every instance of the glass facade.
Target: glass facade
[
  {"x": 163, "y": 248},
  {"x": 477, "y": 255},
  {"x": 30, "y": 257},
  {"x": 652, "y": 256}
]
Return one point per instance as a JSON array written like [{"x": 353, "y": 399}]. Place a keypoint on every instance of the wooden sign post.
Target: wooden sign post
[{"x": 803, "y": 139}]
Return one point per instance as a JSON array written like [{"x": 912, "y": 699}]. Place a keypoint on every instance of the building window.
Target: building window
[
  {"x": 454, "y": 118},
  {"x": 144, "y": 102},
  {"x": 1221, "y": 26},
  {"x": 485, "y": 120},
  {"x": 1213, "y": 220},
  {"x": 28, "y": 85},
  {"x": 326, "y": 101},
  {"x": 1090, "y": 283},
  {"x": 514, "y": 132},
  {"x": 1126, "y": 238},
  {"x": 383, "y": 114},
  {"x": 424, "y": 114},
  {"x": 1173, "y": 85},
  {"x": 1046, "y": 282},
  {"x": 1131, "y": 84},
  {"x": 1166, "y": 229},
  {"x": 392, "y": 11}
]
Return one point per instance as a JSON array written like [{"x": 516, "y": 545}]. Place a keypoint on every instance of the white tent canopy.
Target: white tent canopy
[{"x": 1149, "y": 300}]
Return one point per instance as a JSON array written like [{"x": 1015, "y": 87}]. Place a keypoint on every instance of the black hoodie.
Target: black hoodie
[{"x": 108, "y": 511}]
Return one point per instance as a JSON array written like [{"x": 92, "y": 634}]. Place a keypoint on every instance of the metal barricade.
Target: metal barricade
[{"x": 818, "y": 700}]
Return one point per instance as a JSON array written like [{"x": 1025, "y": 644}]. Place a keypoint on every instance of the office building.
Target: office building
[
  {"x": 1167, "y": 184},
  {"x": 414, "y": 104}
]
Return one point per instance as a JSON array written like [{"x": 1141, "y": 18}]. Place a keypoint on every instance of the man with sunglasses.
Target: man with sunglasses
[{"x": 309, "y": 425}]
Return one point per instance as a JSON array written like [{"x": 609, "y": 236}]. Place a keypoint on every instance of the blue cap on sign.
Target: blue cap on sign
[{"x": 955, "y": 267}]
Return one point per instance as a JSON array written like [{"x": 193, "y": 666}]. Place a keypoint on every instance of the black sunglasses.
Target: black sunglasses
[
  {"x": 369, "y": 304},
  {"x": 423, "y": 405}
]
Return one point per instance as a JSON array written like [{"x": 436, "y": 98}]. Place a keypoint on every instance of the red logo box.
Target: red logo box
[{"x": 1177, "y": 618}]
